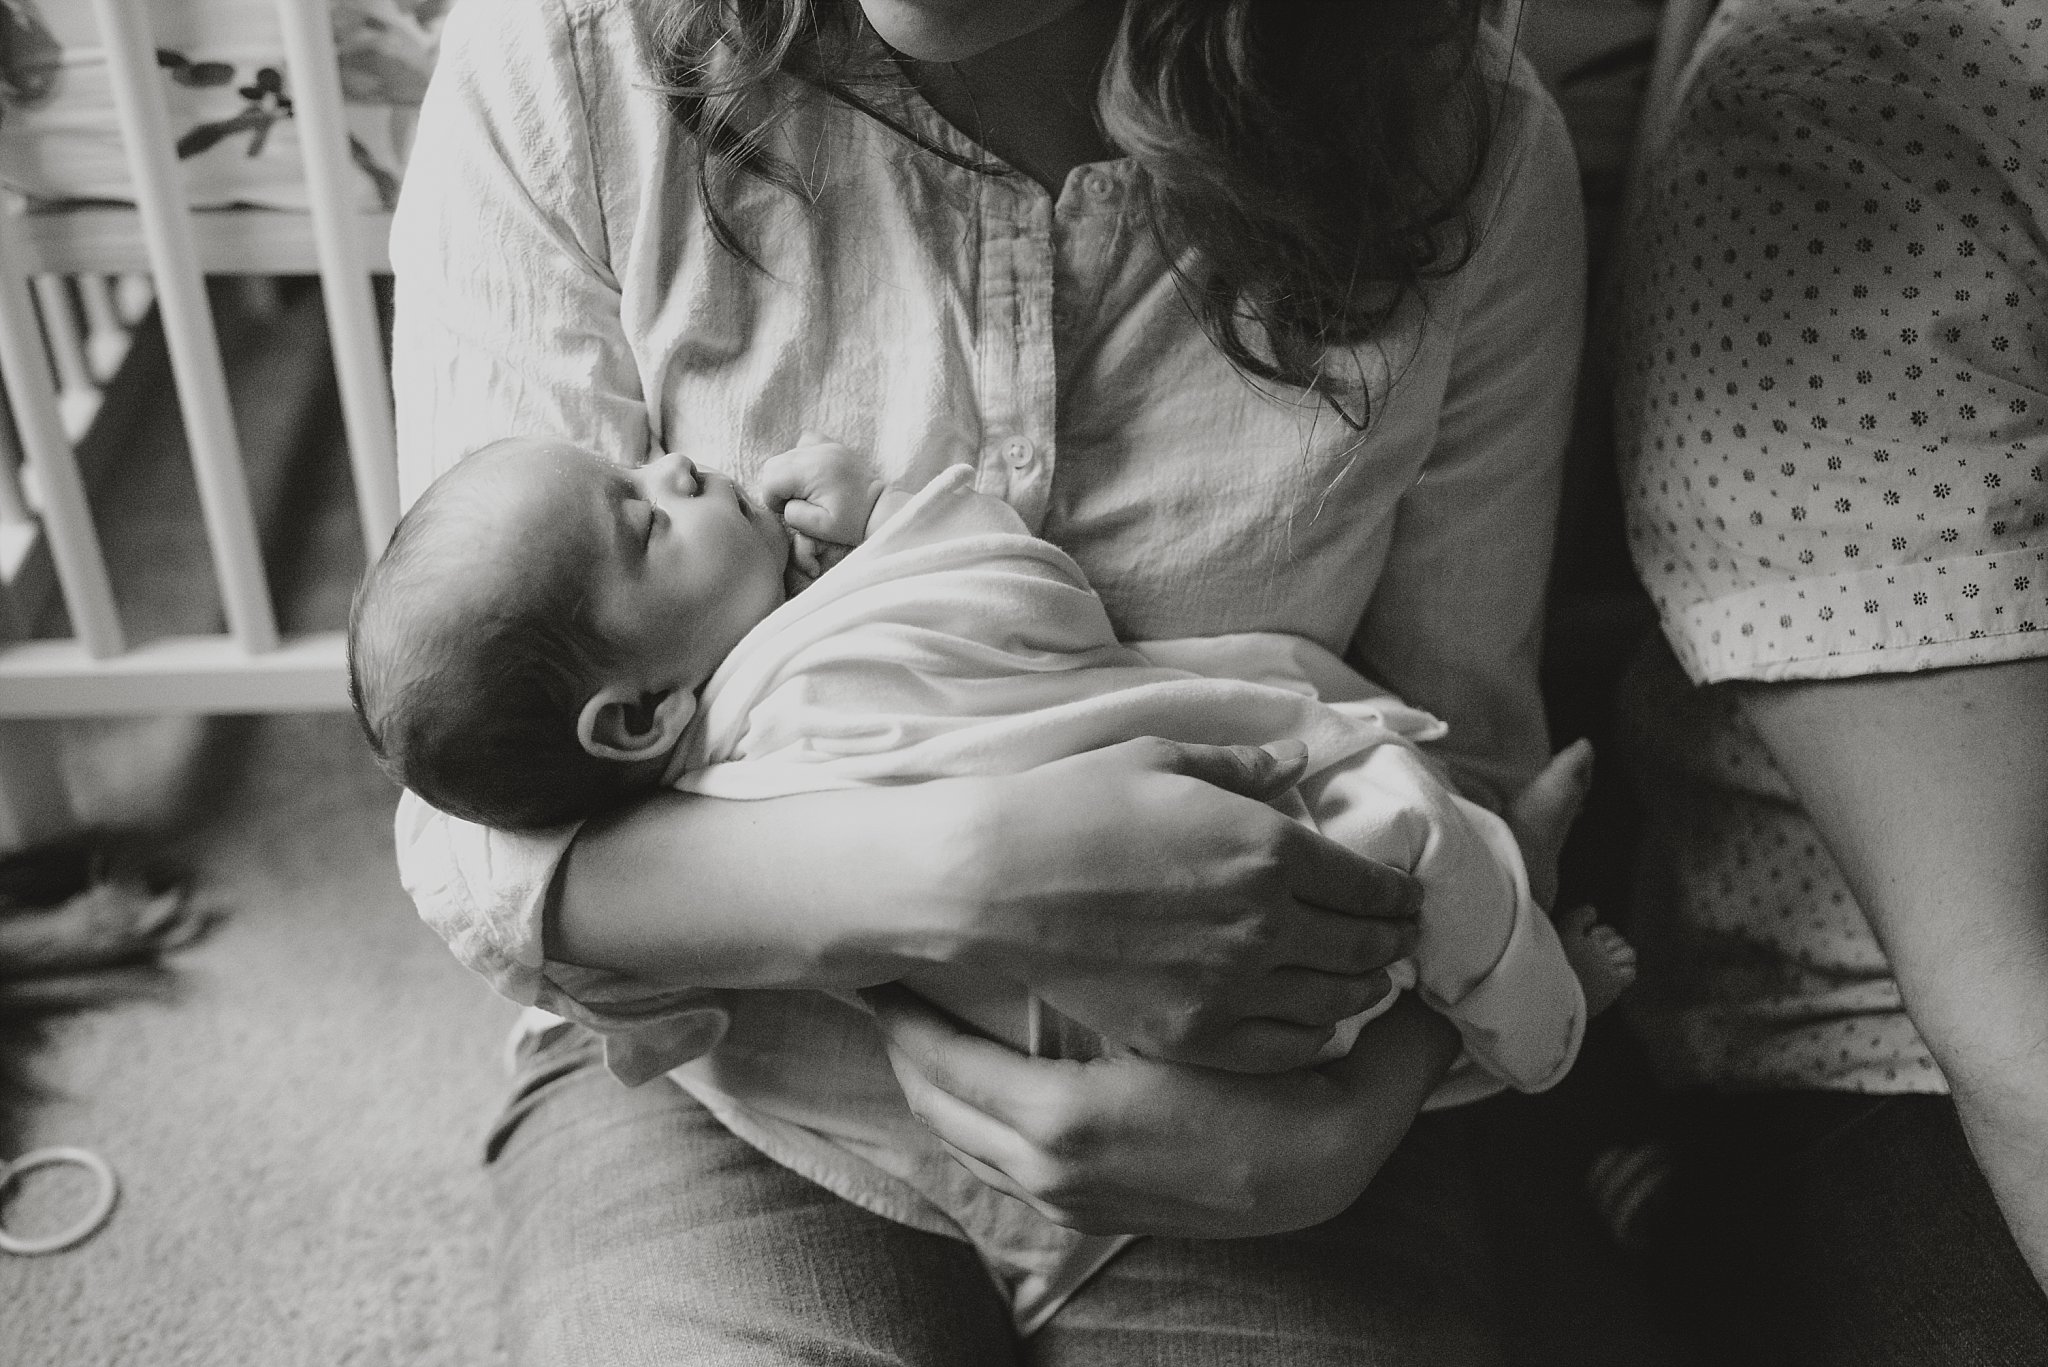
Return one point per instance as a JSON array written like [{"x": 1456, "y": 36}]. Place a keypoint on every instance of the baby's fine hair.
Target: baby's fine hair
[{"x": 476, "y": 711}]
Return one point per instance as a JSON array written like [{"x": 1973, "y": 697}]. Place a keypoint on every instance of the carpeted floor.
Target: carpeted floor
[
  {"x": 297, "y": 1123},
  {"x": 297, "y": 1127}
]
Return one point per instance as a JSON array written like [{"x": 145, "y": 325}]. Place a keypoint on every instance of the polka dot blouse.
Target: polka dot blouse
[{"x": 1832, "y": 389}]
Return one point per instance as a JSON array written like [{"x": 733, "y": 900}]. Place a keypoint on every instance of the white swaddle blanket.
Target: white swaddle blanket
[{"x": 953, "y": 642}]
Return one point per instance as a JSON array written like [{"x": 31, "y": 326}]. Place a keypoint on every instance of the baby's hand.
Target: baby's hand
[{"x": 823, "y": 493}]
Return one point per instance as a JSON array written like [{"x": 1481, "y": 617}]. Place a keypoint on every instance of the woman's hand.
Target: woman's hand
[
  {"x": 1136, "y": 890},
  {"x": 1129, "y": 1145}
]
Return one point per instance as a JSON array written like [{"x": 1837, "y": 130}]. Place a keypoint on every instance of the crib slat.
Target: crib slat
[
  {"x": 133, "y": 296},
  {"x": 78, "y": 398},
  {"x": 14, "y": 509},
  {"x": 106, "y": 337},
  {"x": 315, "y": 79},
  {"x": 74, "y": 545},
  {"x": 188, "y": 323}
]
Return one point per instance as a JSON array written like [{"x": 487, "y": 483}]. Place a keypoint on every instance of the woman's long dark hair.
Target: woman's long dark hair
[{"x": 1308, "y": 162}]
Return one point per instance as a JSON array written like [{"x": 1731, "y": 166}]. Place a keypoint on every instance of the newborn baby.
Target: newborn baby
[
  {"x": 549, "y": 635},
  {"x": 528, "y": 650}
]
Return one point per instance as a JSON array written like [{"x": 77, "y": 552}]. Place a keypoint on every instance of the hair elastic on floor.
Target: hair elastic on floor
[{"x": 87, "y": 1225}]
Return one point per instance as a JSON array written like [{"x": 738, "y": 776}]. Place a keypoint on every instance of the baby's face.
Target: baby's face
[{"x": 680, "y": 564}]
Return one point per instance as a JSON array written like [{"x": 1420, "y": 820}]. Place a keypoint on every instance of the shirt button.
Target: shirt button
[{"x": 1018, "y": 451}]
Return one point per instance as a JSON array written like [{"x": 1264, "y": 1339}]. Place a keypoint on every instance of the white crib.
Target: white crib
[{"x": 47, "y": 538}]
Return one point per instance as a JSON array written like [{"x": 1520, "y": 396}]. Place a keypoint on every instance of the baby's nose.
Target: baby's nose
[{"x": 673, "y": 473}]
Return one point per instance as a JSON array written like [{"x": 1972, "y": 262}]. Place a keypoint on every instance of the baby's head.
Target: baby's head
[{"x": 529, "y": 647}]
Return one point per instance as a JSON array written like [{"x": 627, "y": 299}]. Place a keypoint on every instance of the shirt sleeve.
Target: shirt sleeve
[
  {"x": 507, "y": 321},
  {"x": 1455, "y": 625},
  {"x": 507, "y": 309},
  {"x": 1834, "y": 351}
]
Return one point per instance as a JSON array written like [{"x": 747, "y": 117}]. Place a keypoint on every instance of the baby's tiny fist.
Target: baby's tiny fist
[{"x": 806, "y": 554}]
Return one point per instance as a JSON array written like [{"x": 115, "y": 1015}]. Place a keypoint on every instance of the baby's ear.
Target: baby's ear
[{"x": 623, "y": 723}]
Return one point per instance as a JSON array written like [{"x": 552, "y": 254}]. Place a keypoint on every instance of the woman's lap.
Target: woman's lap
[
  {"x": 1820, "y": 1228},
  {"x": 636, "y": 1229}
]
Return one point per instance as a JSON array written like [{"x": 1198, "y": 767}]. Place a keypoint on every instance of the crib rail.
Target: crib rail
[
  {"x": 44, "y": 516},
  {"x": 74, "y": 241}
]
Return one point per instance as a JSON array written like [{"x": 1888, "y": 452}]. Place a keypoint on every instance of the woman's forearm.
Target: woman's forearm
[
  {"x": 1146, "y": 890},
  {"x": 836, "y": 889}
]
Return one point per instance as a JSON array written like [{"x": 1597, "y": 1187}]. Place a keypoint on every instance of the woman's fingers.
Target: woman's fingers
[
  {"x": 1260, "y": 1045},
  {"x": 1322, "y": 873},
  {"x": 1289, "y": 1017},
  {"x": 1185, "y": 899},
  {"x": 1033, "y": 1129},
  {"x": 1281, "y": 1017},
  {"x": 959, "y": 1084},
  {"x": 924, "y": 1050},
  {"x": 1306, "y": 996},
  {"x": 1319, "y": 872},
  {"x": 976, "y": 1137},
  {"x": 1038, "y": 1121},
  {"x": 1261, "y": 772},
  {"x": 1000, "y": 1180}
]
